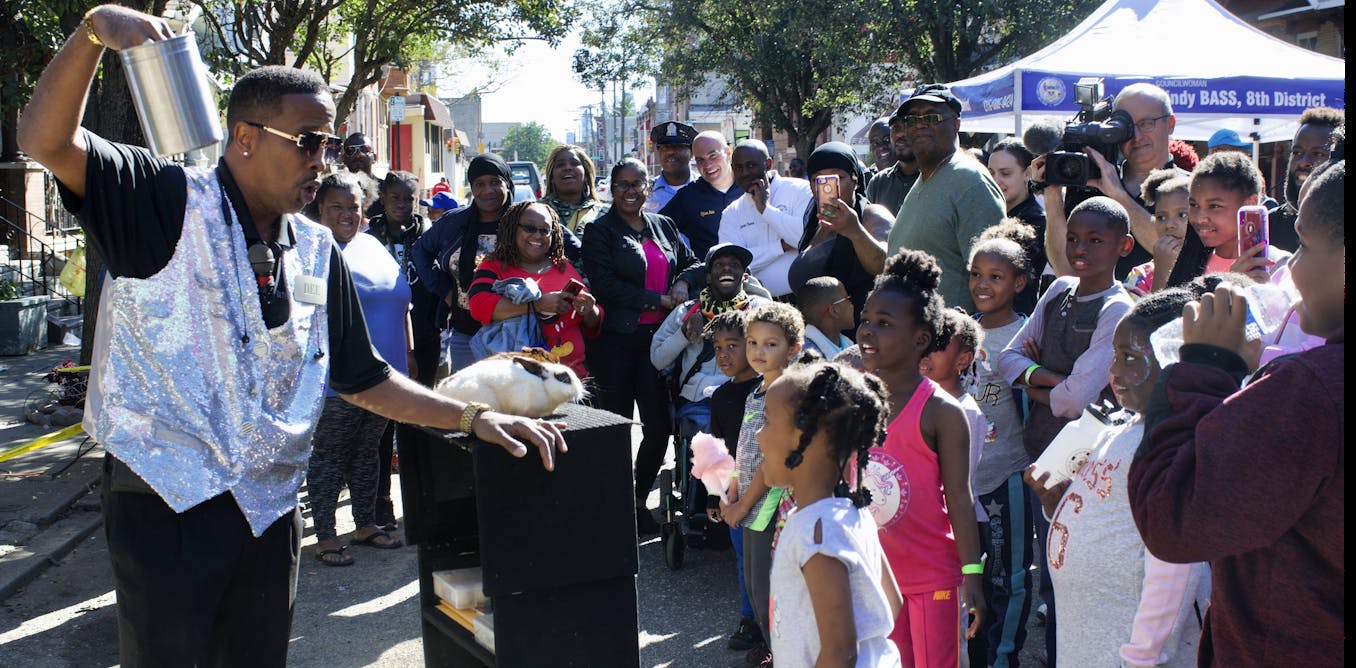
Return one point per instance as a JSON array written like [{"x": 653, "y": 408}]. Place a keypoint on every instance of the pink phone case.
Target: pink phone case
[
  {"x": 826, "y": 189},
  {"x": 1253, "y": 228}
]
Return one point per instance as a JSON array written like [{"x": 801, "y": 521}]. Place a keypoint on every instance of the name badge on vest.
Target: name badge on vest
[{"x": 311, "y": 290}]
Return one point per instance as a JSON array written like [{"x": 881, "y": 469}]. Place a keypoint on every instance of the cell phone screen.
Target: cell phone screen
[{"x": 573, "y": 287}]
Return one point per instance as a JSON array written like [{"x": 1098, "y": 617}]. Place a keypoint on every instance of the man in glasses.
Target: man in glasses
[
  {"x": 1148, "y": 149},
  {"x": 889, "y": 187},
  {"x": 357, "y": 156},
  {"x": 1307, "y": 151},
  {"x": 954, "y": 198},
  {"x": 881, "y": 148},
  {"x": 225, "y": 317}
]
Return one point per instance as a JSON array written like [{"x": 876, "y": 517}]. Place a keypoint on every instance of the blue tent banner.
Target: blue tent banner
[{"x": 1049, "y": 92}]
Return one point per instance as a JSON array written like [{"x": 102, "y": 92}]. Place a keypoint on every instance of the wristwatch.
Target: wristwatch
[
  {"x": 469, "y": 414},
  {"x": 88, "y": 22}
]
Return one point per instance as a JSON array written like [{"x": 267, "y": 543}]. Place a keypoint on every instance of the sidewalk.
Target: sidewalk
[{"x": 45, "y": 503}]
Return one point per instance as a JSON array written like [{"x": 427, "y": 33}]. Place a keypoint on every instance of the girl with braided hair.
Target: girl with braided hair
[
  {"x": 833, "y": 593},
  {"x": 923, "y": 469}
]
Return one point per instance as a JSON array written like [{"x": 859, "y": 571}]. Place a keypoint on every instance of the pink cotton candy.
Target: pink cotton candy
[{"x": 712, "y": 463}]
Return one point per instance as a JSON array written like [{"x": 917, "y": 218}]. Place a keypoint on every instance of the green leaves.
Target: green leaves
[
  {"x": 794, "y": 63},
  {"x": 529, "y": 141}
]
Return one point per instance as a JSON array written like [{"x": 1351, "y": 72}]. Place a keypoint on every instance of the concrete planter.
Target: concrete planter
[{"x": 23, "y": 325}]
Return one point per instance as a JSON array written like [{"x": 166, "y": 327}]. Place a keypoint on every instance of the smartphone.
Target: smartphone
[
  {"x": 1253, "y": 228},
  {"x": 826, "y": 189},
  {"x": 573, "y": 287}
]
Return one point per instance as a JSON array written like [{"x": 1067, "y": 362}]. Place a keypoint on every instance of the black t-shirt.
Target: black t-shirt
[
  {"x": 133, "y": 215},
  {"x": 1138, "y": 254},
  {"x": 727, "y": 409},
  {"x": 1281, "y": 227}
]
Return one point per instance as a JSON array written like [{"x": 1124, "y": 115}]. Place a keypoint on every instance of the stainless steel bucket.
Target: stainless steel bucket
[{"x": 176, "y": 104}]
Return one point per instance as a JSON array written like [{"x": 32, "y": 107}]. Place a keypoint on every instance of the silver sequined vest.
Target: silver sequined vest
[{"x": 190, "y": 389}]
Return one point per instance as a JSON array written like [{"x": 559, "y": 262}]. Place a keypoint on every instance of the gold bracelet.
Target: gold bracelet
[
  {"x": 88, "y": 22},
  {"x": 469, "y": 414}
]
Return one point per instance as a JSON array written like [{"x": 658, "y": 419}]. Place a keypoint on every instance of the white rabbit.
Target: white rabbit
[{"x": 531, "y": 383}]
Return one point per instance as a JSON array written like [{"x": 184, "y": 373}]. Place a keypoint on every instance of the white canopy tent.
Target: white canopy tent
[{"x": 1219, "y": 71}]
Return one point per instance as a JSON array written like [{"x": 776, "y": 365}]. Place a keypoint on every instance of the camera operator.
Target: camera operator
[{"x": 1151, "y": 111}]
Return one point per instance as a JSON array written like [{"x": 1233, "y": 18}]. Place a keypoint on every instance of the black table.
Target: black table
[{"x": 557, "y": 549}]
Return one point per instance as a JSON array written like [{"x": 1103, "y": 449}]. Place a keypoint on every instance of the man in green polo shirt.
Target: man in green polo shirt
[{"x": 954, "y": 199}]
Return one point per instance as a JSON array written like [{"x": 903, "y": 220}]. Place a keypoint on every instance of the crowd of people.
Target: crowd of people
[
  {"x": 989, "y": 309},
  {"x": 882, "y": 361}
]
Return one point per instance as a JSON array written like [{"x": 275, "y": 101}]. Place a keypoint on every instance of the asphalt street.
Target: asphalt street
[{"x": 367, "y": 614}]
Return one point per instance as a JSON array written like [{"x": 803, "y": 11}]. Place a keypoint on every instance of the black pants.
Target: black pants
[
  {"x": 385, "y": 508},
  {"x": 623, "y": 376},
  {"x": 197, "y": 588}
]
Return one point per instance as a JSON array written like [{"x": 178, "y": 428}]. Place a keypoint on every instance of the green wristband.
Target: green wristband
[
  {"x": 1026, "y": 376},
  {"x": 972, "y": 569}
]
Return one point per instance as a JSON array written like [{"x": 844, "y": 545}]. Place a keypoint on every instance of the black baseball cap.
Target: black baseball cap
[
  {"x": 741, "y": 253},
  {"x": 929, "y": 93},
  {"x": 673, "y": 132}
]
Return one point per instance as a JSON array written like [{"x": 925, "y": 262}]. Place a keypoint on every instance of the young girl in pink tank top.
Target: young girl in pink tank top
[{"x": 922, "y": 469}]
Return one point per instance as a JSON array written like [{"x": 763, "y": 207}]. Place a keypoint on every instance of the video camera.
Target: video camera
[{"x": 1097, "y": 127}]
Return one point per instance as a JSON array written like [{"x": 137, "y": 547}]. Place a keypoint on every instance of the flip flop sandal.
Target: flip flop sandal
[
  {"x": 391, "y": 542},
  {"x": 343, "y": 560}
]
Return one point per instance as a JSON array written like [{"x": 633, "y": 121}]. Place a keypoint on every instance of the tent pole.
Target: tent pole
[
  {"x": 1256, "y": 140},
  {"x": 1017, "y": 101}
]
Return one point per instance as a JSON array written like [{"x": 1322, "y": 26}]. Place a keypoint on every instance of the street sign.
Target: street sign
[{"x": 397, "y": 108}]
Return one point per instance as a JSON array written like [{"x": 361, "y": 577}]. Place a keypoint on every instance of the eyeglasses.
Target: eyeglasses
[
  {"x": 925, "y": 119},
  {"x": 356, "y": 149},
  {"x": 1147, "y": 125},
  {"x": 539, "y": 231},
  {"x": 831, "y": 305},
  {"x": 629, "y": 185},
  {"x": 308, "y": 142}
]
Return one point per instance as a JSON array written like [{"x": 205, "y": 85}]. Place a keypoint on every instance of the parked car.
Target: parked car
[
  {"x": 526, "y": 173},
  {"x": 523, "y": 193},
  {"x": 604, "y": 188}
]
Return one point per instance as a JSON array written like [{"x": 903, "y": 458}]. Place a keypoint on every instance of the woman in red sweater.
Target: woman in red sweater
[{"x": 531, "y": 246}]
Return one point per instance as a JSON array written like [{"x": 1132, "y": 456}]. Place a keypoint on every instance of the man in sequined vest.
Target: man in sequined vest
[{"x": 225, "y": 315}]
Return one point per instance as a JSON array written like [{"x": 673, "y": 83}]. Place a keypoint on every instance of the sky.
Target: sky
[{"x": 539, "y": 84}]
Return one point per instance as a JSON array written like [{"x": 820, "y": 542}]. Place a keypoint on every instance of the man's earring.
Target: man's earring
[{"x": 245, "y": 153}]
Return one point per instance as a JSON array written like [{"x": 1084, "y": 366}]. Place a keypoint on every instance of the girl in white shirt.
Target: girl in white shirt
[{"x": 833, "y": 597}]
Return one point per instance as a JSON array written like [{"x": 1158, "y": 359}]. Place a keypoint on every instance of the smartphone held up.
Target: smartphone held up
[
  {"x": 826, "y": 193},
  {"x": 1253, "y": 228}
]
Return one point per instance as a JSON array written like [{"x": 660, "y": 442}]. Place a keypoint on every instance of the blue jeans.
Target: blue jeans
[
  {"x": 456, "y": 351},
  {"x": 737, "y": 542}
]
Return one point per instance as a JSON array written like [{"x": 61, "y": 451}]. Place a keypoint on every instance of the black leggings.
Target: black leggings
[{"x": 623, "y": 376}]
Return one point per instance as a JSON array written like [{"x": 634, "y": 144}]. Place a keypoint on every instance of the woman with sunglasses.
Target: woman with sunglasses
[
  {"x": 531, "y": 246},
  {"x": 632, "y": 259},
  {"x": 844, "y": 238},
  {"x": 571, "y": 187}
]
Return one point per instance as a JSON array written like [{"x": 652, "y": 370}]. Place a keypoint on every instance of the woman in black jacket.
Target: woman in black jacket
[
  {"x": 633, "y": 260},
  {"x": 1010, "y": 164}
]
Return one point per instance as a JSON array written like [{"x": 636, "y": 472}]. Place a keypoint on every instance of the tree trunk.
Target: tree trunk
[{"x": 9, "y": 136}]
